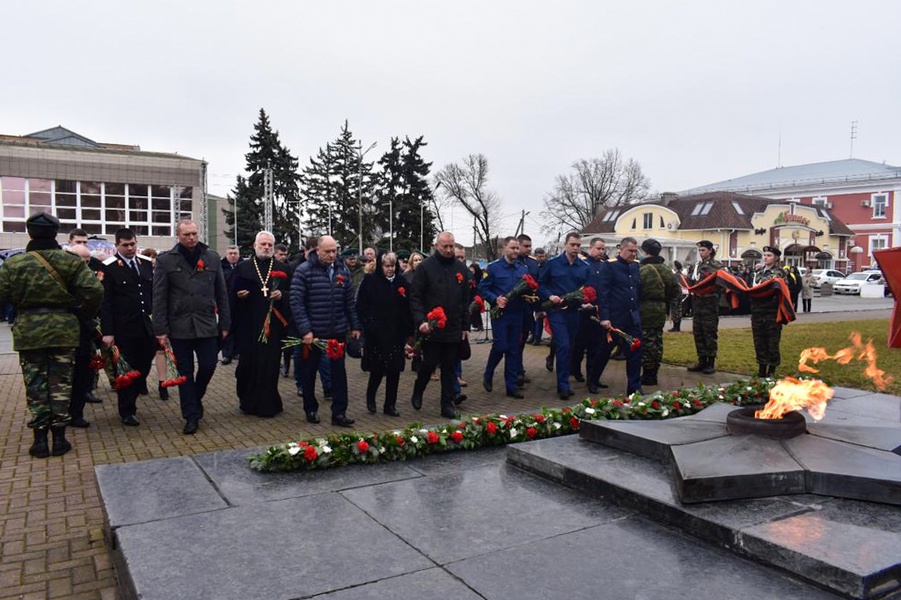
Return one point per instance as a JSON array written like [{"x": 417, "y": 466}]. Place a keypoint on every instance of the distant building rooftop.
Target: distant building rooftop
[{"x": 60, "y": 137}]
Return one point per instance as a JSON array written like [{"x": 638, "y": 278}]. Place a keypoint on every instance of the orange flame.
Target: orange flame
[{"x": 794, "y": 394}]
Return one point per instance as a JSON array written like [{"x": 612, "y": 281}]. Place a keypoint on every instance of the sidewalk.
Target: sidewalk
[{"x": 50, "y": 513}]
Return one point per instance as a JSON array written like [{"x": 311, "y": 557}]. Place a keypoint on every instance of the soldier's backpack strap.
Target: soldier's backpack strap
[{"x": 53, "y": 272}]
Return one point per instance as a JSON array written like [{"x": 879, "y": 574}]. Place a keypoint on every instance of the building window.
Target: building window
[
  {"x": 697, "y": 209},
  {"x": 819, "y": 200},
  {"x": 737, "y": 207},
  {"x": 648, "y": 220},
  {"x": 877, "y": 242},
  {"x": 880, "y": 203},
  {"x": 706, "y": 208}
]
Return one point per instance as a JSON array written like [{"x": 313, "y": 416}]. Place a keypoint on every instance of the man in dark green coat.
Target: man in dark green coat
[
  {"x": 50, "y": 289},
  {"x": 657, "y": 291}
]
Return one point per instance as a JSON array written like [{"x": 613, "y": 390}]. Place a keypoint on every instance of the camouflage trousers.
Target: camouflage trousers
[
  {"x": 706, "y": 322},
  {"x": 651, "y": 348},
  {"x": 767, "y": 335},
  {"x": 48, "y": 385},
  {"x": 675, "y": 311}
]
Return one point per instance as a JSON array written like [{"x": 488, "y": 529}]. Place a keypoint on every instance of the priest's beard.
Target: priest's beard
[{"x": 263, "y": 255}]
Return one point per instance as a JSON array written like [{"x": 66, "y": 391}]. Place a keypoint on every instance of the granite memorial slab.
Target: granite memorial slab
[
  {"x": 469, "y": 512},
  {"x": 283, "y": 549},
  {"x": 151, "y": 490},
  {"x": 422, "y": 584},
  {"x": 650, "y": 439},
  {"x": 882, "y": 438},
  {"x": 239, "y": 484},
  {"x": 653, "y": 562}
]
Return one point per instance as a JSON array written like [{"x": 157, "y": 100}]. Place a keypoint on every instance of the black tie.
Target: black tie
[{"x": 134, "y": 265}]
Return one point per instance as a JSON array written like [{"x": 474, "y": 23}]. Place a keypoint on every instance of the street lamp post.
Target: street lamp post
[{"x": 360, "y": 191}]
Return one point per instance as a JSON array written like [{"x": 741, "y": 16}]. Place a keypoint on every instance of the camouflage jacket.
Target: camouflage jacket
[
  {"x": 771, "y": 304},
  {"x": 658, "y": 289},
  {"x": 48, "y": 312}
]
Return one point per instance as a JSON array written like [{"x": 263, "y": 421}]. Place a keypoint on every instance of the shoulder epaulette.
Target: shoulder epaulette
[
  {"x": 111, "y": 260},
  {"x": 142, "y": 257}
]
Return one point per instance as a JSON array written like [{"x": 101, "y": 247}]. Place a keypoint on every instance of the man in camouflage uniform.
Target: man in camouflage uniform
[
  {"x": 675, "y": 309},
  {"x": 51, "y": 289},
  {"x": 766, "y": 330},
  {"x": 657, "y": 291},
  {"x": 706, "y": 310}
]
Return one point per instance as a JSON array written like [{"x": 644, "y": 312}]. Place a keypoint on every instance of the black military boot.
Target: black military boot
[
  {"x": 709, "y": 369},
  {"x": 762, "y": 370},
  {"x": 649, "y": 377},
  {"x": 700, "y": 365},
  {"x": 60, "y": 444},
  {"x": 40, "y": 448},
  {"x": 771, "y": 371}
]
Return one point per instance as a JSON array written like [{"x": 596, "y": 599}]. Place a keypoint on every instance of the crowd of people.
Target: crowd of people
[{"x": 180, "y": 308}]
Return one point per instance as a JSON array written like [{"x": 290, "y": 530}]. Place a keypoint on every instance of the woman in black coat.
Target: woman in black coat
[{"x": 384, "y": 312}]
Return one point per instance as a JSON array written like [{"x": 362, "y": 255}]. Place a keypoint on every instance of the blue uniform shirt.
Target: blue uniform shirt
[
  {"x": 559, "y": 277},
  {"x": 499, "y": 278},
  {"x": 618, "y": 295},
  {"x": 530, "y": 264}
]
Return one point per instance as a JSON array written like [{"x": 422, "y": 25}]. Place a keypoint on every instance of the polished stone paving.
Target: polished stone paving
[{"x": 461, "y": 525}]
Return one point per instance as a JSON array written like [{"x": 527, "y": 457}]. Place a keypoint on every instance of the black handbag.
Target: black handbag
[{"x": 464, "y": 352}]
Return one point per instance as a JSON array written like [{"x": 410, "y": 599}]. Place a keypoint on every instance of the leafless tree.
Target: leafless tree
[
  {"x": 466, "y": 184},
  {"x": 595, "y": 183}
]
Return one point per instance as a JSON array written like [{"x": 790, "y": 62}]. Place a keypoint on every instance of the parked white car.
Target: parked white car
[
  {"x": 851, "y": 284},
  {"x": 821, "y": 276}
]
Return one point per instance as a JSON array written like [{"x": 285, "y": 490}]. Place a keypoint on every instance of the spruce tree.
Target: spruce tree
[
  {"x": 404, "y": 180},
  {"x": 266, "y": 152}
]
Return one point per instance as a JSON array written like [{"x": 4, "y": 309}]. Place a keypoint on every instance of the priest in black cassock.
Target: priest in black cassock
[{"x": 260, "y": 297}]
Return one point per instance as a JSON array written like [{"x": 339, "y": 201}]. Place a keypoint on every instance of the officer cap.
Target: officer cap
[
  {"x": 403, "y": 254},
  {"x": 651, "y": 246},
  {"x": 705, "y": 244},
  {"x": 350, "y": 253},
  {"x": 42, "y": 225},
  {"x": 773, "y": 250}
]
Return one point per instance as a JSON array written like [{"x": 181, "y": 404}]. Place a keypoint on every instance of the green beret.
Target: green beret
[{"x": 42, "y": 225}]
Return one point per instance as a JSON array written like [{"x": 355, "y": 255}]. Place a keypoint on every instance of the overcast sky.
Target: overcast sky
[{"x": 696, "y": 92}]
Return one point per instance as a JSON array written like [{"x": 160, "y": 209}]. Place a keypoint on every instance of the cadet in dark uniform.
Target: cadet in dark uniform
[
  {"x": 528, "y": 314},
  {"x": 501, "y": 276},
  {"x": 50, "y": 289},
  {"x": 620, "y": 288},
  {"x": 705, "y": 310},
  {"x": 766, "y": 330},
  {"x": 125, "y": 314}
]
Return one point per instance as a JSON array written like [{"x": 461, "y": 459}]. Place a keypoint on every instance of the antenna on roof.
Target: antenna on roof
[{"x": 853, "y": 137}]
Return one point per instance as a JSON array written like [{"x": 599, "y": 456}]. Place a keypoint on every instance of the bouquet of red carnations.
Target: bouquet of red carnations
[
  {"x": 526, "y": 284},
  {"x": 437, "y": 319},
  {"x": 477, "y": 306},
  {"x": 266, "y": 332},
  {"x": 584, "y": 295},
  {"x": 120, "y": 374},
  {"x": 173, "y": 378},
  {"x": 633, "y": 343},
  {"x": 333, "y": 349}
]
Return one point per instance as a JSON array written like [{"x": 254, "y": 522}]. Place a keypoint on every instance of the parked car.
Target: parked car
[
  {"x": 821, "y": 276},
  {"x": 851, "y": 284}
]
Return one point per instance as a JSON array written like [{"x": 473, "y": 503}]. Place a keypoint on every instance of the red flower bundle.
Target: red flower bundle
[
  {"x": 526, "y": 284},
  {"x": 172, "y": 376},
  {"x": 633, "y": 343},
  {"x": 278, "y": 275},
  {"x": 436, "y": 318},
  {"x": 334, "y": 349},
  {"x": 340, "y": 279},
  {"x": 201, "y": 266},
  {"x": 584, "y": 295},
  {"x": 121, "y": 375},
  {"x": 98, "y": 361},
  {"x": 477, "y": 306},
  {"x": 402, "y": 291}
]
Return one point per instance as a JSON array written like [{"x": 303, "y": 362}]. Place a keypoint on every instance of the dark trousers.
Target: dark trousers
[
  {"x": 806, "y": 302},
  {"x": 82, "y": 382},
  {"x": 191, "y": 392},
  {"x": 528, "y": 322},
  {"x": 324, "y": 374},
  {"x": 564, "y": 325},
  {"x": 139, "y": 354},
  {"x": 537, "y": 330},
  {"x": 309, "y": 367},
  {"x": 441, "y": 355},
  {"x": 228, "y": 347},
  {"x": 392, "y": 378},
  {"x": 508, "y": 334},
  {"x": 633, "y": 361}
]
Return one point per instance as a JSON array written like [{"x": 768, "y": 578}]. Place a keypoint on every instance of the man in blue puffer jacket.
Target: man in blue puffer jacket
[{"x": 322, "y": 306}]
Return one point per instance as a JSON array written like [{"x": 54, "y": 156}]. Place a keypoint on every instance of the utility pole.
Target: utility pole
[
  {"x": 360, "y": 192},
  {"x": 268, "y": 197},
  {"x": 853, "y": 137},
  {"x": 521, "y": 227}
]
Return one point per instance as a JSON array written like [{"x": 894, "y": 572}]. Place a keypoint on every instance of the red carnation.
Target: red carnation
[
  {"x": 677, "y": 405},
  {"x": 436, "y": 318},
  {"x": 310, "y": 453},
  {"x": 590, "y": 294},
  {"x": 698, "y": 403},
  {"x": 432, "y": 437},
  {"x": 278, "y": 275},
  {"x": 200, "y": 266},
  {"x": 400, "y": 441},
  {"x": 617, "y": 403},
  {"x": 539, "y": 418},
  {"x": 459, "y": 277},
  {"x": 334, "y": 349},
  {"x": 531, "y": 432},
  {"x": 402, "y": 291},
  {"x": 491, "y": 427},
  {"x": 530, "y": 281},
  {"x": 655, "y": 404},
  {"x": 340, "y": 279},
  {"x": 457, "y": 436},
  {"x": 574, "y": 422},
  {"x": 363, "y": 446}
]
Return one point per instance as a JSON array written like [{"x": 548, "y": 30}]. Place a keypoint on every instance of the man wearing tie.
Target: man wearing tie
[{"x": 125, "y": 314}]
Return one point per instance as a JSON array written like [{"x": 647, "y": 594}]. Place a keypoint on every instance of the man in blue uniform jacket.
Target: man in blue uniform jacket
[
  {"x": 500, "y": 278},
  {"x": 618, "y": 307},
  {"x": 564, "y": 274}
]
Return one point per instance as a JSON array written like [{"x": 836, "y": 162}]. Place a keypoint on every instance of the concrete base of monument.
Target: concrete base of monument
[{"x": 796, "y": 504}]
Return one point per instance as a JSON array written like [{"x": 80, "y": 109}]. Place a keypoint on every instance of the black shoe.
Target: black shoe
[
  {"x": 698, "y": 366},
  {"x": 312, "y": 417},
  {"x": 142, "y": 390},
  {"x": 603, "y": 386},
  {"x": 131, "y": 421},
  {"x": 709, "y": 368},
  {"x": 92, "y": 399},
  {"x": 370, "y": 406},
  {"x": 79, "y": 422},
  {"x": 164, "y": 392},
  {"x": 342, "y": 420},
  {"x": 488, "y": 384},
  {"x": 523, "y": 380},
  {"x": 416, "y": 401},
  {"x": 40, "y": 448},
  {"x": 190, "y": 428},
  {"x": 579, "y": 377},
  {"x": 593, "y": 389},
  {"x": 60, "y": 444},
  {"x": 515, "y": 394},
  {"x": 549, "y": 363},
  {"x": 227, "y": 361},
  {"x": 391, "y": 411},
  {"x": 459, "y": 399},
  {"x": 448, "y": 412},
  {"x": 565, "y": 394}
]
